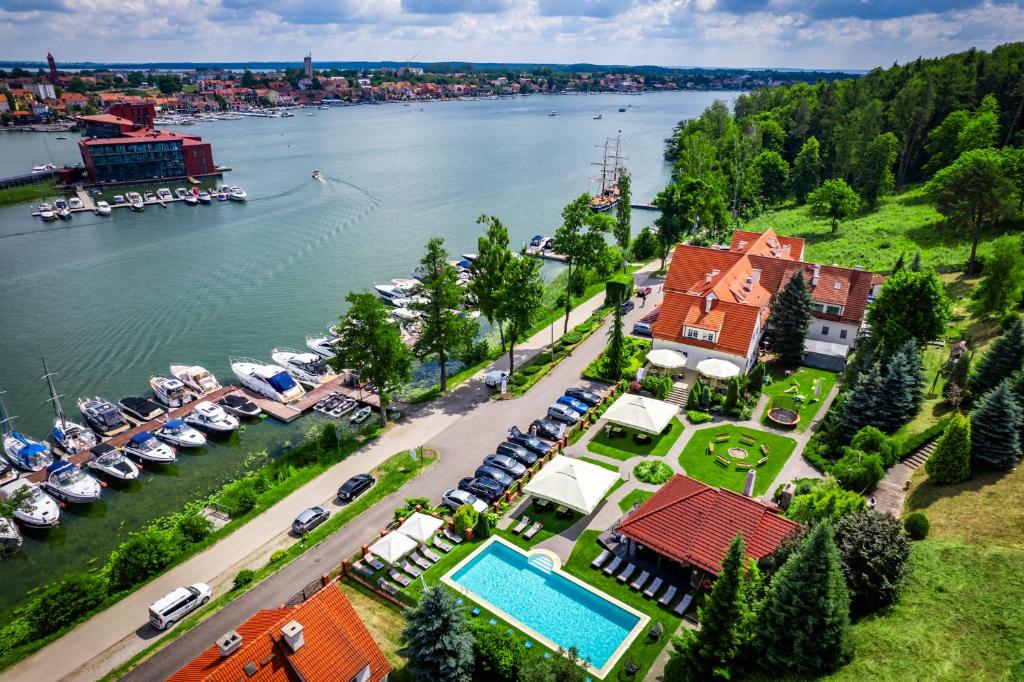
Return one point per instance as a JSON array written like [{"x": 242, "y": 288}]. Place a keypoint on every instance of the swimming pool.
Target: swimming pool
[{"x": 546, "y": 603}]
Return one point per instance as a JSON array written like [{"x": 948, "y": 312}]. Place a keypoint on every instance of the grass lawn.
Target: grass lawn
[
  {"x": 552, "y": 525},
  {"x": 704, "y": 467},
  {"x": 627, "y": 502},
  {"x": 25, "y": 194},
  {"x": 642, "y": 651},
  {"x": 385, "y": 623},
  {"x": 626, "y": 448},
  {"x": 597, "y": 462},
  {"x": 804, "y": 379}
]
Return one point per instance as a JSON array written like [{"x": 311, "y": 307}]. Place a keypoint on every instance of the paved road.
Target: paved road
[{"x": 463, "y": 426}]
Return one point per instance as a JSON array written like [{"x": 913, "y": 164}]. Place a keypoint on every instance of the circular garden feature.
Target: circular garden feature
[
  {"x": 738, "y": 453},
  {"x": 784, "y": 411}
]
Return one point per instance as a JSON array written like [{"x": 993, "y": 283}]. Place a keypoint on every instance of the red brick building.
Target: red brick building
[
  {"x": 146, "y": 154},
  {"x": 140, "y": 112}
]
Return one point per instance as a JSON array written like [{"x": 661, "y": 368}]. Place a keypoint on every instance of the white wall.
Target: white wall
[
  {"x": 834, "y": 329},
  {"x": 695, "y": 354}
]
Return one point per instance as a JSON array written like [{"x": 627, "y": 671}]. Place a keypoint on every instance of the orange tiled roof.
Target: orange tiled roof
[{"x": 768, "y": 244}]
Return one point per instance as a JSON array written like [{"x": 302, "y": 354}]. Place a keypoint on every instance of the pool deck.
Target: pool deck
[{"x": 627, "y": 641}]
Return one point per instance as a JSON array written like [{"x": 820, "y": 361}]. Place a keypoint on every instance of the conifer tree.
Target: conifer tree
[
  {"x": 693, "y": 401},
  {"x": 862, "y": 405},
  {"x": 900, "y": 263},
  {"x": 915, "y": 265},
  {"x": 1004, "y": 357},
  {"x": 438, "y": 641},
  {"x": 616, "y": 344},
  {"x": 951, "y": 461},
  {"x": 995, "y": 428},
  {"x": 755, "y": 378},
  {"x": 806, "y": 170},
  {"x": 902, "y": 387},
  {"x": 790, "y": 320},
  {"x": 804, "y": 623},
  {"x": 732, "y": 395}
]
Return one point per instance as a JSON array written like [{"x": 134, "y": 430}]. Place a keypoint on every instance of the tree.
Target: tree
[
  {"x": 615, "y": 352},
  {"x": 902, "y": 388},
  {"x": 444, "y": 331},
  {"x": 371, "y": 345},
  {"x": 874, "y": 177},
  {"x": 995, "y": 424},
  {"x": 826, "y": 502},
  {"x": 438, "y": 642},
  {"x": 772, "y": 174},
  {"x": 1000, "y": 288},
  {"x": 63, "y": 602},
  {"x": 717, "y": 649},
  {"x": 864, "y": 403},
  {"x": 834, "y": 200},
  {"x": 790, "y": 319},
  {"x": 645, "y": 245},
  {"x": 873, "y": 555},
  {"x": 943, "y": 141},
  {"x": 858, "y": 471},
  {"x": 1004, "y": 357},
  {"x": 732, "y": 394},
  {"x": 520, "y": 301},
  {"x": 951, "y": 461},
  {"x": 622, "y": 214},
  {"x": 805, "y": 620},
  {"x": 755, "y": 378},
  {"x": 1013, "y": 168},
  {"x": 899, "y": 264},
  {"x": 915, "y": 265},
  {"x": 498, "y": 654},
  {"x": 580, "y": 240},
  {"x": 911, "y": 305},
  {"x": 806, "y": 169},
  {"x": 248, "y": 79},
  {"x": 565, "y": 666},
  {"x": 687, "y": 206},
  {"x": 972, "y": 192},
  {"x": 982, "y": 130},
  {"x": 488, "y": 270},
  {"x": 141, "y": 556}
]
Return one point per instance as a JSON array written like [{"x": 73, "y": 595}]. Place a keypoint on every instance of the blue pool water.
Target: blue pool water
[{"x": 557, "y": 608}]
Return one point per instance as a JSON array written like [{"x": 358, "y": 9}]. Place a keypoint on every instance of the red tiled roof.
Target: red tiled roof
[
  {"x": 693, "y": 523},
  {"x": 337, "y": 646},
  {"x": 107, "y": 118},
  {"x": 767, "y": 244}
]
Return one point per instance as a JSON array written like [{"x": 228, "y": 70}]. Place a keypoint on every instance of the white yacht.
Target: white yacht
[
  {"x": 270, "y": 381},
  {"x": 68, "y": 483},
  {"x": 141, "y": 409},
  {"x": 46, "y": 212},
  {"x": 74, "y": 438},
  {"x": 112, "y": 463},
  {"x": 102, "y": 208},
  {"x": 405, "y": 315},
  {"x": 164, "y": 194},
  {"x": 393, "y": 295},
  {"x": 170, "y": 392},
  {"x": 102, "y": 417},
  {"x": 204, "y": 197},
  {"x": 74, "y": 203},
  {"x": 177, "y": 432},
  {"x": 308, "y": 368},
  {"x": 212, "y": 418},
  {"x": 195, "y": 378},
  {"x": 236, "y": 193},
  {"x": 146, "y": 446},
  {"x": 407, "y": 286},
  {"x": 181, "y": 193},
  {"x": 322, "y": 345},
  {"x": 36, "y": 509},
  {"x": 10, "y": 537},
  {"x": 239, "y": 406},
  {"x": 135, "y": 201}
]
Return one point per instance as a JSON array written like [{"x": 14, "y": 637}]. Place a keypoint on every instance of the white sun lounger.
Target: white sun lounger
[
  {"x": 653, "y": 588},
  {"x": 639, "y": 583},
  {"x": 532, "y": 530},
  {"x": 626, "y": 574},
  {"x": 452, "y": 536},
  {"x": 669, "y": 595},
  {"x": 613, "y": 566},
  {"x": 601, "y": 558},
  {"x": 442, "y": 545},
  {"x": 683, "y": 604},
  {"x": 524, "y": 521}
]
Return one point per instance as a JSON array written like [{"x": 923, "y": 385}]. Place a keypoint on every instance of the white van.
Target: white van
[{"x": 168, "y": 610}]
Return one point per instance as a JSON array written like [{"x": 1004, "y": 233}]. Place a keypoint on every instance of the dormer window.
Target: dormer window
[{"x": 838, "y": 285}]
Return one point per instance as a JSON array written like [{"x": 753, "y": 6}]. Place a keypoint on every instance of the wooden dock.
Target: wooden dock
[
  {"x": 292, "y": 411},
  {"x": 539, "y": 252}
]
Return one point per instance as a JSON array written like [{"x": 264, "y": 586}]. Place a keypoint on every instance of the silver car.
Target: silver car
[
  {"x": 453, "y": 499},
  {"x": 563, "y": 413}
]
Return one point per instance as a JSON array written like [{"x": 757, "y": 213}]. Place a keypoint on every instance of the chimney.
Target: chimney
[
  {"x": 229, "y": 643},
  {"x": 748, "y": 486},
  {"x": 292, "y": 633},
  {"x": 755, "y": 275},
  {"x": 815, "y": 275},
  {"x": 785, "y": 250},
  {"x": 708, "y": 300}
]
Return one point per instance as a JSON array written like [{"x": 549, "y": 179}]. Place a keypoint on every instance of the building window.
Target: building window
[
  {"x": 824, "y": 331},
  {"x": 834, "y": 310},
  {"x": 842, "y": 333},
  {"x": 691, "y": 333},
  {"x": 709, "y": 336}
]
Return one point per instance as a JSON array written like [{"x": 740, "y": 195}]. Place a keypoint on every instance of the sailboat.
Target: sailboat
[
  {"x": 74, "y": 438},
  {"x": 21, "y": 451},
  {"x": 611, "y": 167}
]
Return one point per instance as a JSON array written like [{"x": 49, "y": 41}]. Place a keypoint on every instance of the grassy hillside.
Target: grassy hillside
[{"x": 905, "y": 222}]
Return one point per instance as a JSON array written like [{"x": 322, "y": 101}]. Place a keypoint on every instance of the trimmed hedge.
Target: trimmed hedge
[
  {"x": 698, "y": 417},
  {"x": 913, "y": 442}
]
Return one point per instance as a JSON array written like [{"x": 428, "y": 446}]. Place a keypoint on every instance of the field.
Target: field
[
  {"x": 625, "y": 447},
  {"x": 27, "y": 194},
  {"x": 904, "y": 223},
  {"x": 704, "y": 467},
  {"x": 627, "y": 501},
  {"x": 804, "y": 379}
]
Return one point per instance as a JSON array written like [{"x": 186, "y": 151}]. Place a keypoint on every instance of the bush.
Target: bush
[
  {"x": 240, "y": 497},
  {"x": 465, "y": 518},
  {"x": 698, "y": 417},
  {"x": 916, "y": 525},
  {"x": 243, "y": 578},
  {"x": 571, "y": 338},
  {"x": 645, "y": 245},
  {"x": 858, "y": 471},
  {"x": 826, "y": 502},
  {"x": 519, "y": 379},
  {"x": 63, "y": 602},
  {"x": 874, "y": 552},
  {"x": 911, "y": 443},
  {"x": 277, "y": 556},
  {"x": 475, "y": 353},
  {"x": 193, "y": 527},
  {"x": 498, "y": 654},
  {"x": 652, "y": 471},
  {"x": 658, "y": 386},
  {"x": 871, "y": 440},
  {"x": 141, "y": 556},
  {"x": 482, "y": 530},
  {"x": 531, "y": 370}
]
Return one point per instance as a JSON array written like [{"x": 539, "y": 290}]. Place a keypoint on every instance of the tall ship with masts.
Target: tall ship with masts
[{"x": 611, "y": 167}]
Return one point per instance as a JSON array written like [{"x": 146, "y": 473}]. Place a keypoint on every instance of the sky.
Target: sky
[{"x": 840, "y": 34}]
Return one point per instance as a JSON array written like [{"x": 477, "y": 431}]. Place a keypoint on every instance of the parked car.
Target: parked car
[
  {"x": 495, "y": 474},
  {"x": 643, "y": 329},
  {"x": 517, "y": 452},
  {"x": 355, "y": 486},
  {"x": 546, "y": 428},
  {"x": 507, "y": 464},
  {"x": 172, "y": 607},
  {"x": 578, "y": 406},
  {"x": 563, "y": 413},
  {"x": 494, "y": 379},
  {"x": 484, "y": 489},
  {"x": 627, "y": 305},
  {"x": 531, "y": 443},
  {"x": 453, "y": 499},
  {"x": 309, "y": 519},
  {"x": 584, "y": 396}
]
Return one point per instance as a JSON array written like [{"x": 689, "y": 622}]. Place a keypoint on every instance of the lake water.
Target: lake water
[{"x": 112, "y": 301}]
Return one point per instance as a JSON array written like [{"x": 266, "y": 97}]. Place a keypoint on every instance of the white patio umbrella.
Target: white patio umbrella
[
  {"x": 641, "y": 413},
  {"x": 666, "y": 358},
  {"x": 393, "y": 547},
  {"x": 420, "y": 526},
  {"x": 713, "y": 368},
  {"x": 572, "y": 482}
]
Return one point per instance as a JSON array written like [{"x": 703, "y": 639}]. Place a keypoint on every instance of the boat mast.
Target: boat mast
[
  {"x": 610, "y": 164},
  {"x": 7, "y": 423},
  {"x": 54, "y": 398}
]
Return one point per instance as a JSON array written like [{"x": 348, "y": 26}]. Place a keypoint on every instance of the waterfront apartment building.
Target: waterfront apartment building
[{"x": 146, "y": 155}]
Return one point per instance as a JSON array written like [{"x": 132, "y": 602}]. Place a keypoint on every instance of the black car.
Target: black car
[
  {"x": 531, "y": 443},
  {"x": 584, "y": 396},
  {"x": 355, "y": 486},
  {"x": 495, "y": 474},
  {"x": 548, "y": 428},
  {"x": 309, "y": 519},
  {"x": 627, "y": 305},
  {"x": 507, "y": 464},
  {"x": 484, "y": 488},
  {"x": 518, "y": 453}
]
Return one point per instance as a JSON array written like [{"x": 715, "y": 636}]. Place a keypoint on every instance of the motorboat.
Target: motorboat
[
  {"x": 393, "y": 294},
  {"x": 164, "y": 193},
  {"x": 61, "y": 209},
  {"x": 196, "y": 378},
  {"x": 170, "y": 392},
  {"x": 181, "y": 193},
  {"x": 68, "y": 483},
  {"x": 204, "y": 197},
  {"x": 322, "y": 344},
  {"x": 211, "y": 418},
  {"x": 219, "y": 194},
  {"x": 239, "y": 406},
  {"x": 145, "y": 446},
  {"x": 149, "y": 197},
  {"x": 74, "y": 438},
  {"x": 470, "y": 256},
  {"x": 135, "y": 201},
  {"x": 191, "y": 199},
  {"x": 177, "y": 432},
  {"x": 407, "y": 286},
  {"x": 112, "y": 463},
  {"x": 75, "y": 204},
  {"x": 35, "y": 508},
  {"x": 538, "y": 240},
  {"x": 598, "y": 117},
  {"x": 119, "y": 199},
  {"x": 46, "y": 212},
  {"x": 316, "y": 175},
  {"x": 102, "y": 208},
  {"x": 552, "y": 113},
  {"x": 140, "y": 408},
  {"x": 7, "y": 472},
  {"x": 10, "y": 536},
  {"x": 270, "y": 381},
  {"x": 102, "y": 417},
  {"x": 361, "y": 415},
  {"x": 44, "y": 168},
  {"x": 308, "y": 368},
  {"x": 622, "y": 109},
  {"x": 236, "y": 193}
]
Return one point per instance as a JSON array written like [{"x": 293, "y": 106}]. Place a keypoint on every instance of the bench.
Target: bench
[
  {"x": 711, "y": 448},
  {"x": 722, "y": 460},
  {"x": 744, "y": 465},
  {"x": 764, "y": 448},
  {"x": 747, "y": 440},
  {"x": 761, "y": 461},
  {"x": 722, "y": 438}
]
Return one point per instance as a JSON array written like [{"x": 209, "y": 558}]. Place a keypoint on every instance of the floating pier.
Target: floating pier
[
  {"x": 292, "y": 411},
  {"x": 540, "y": 252}
]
